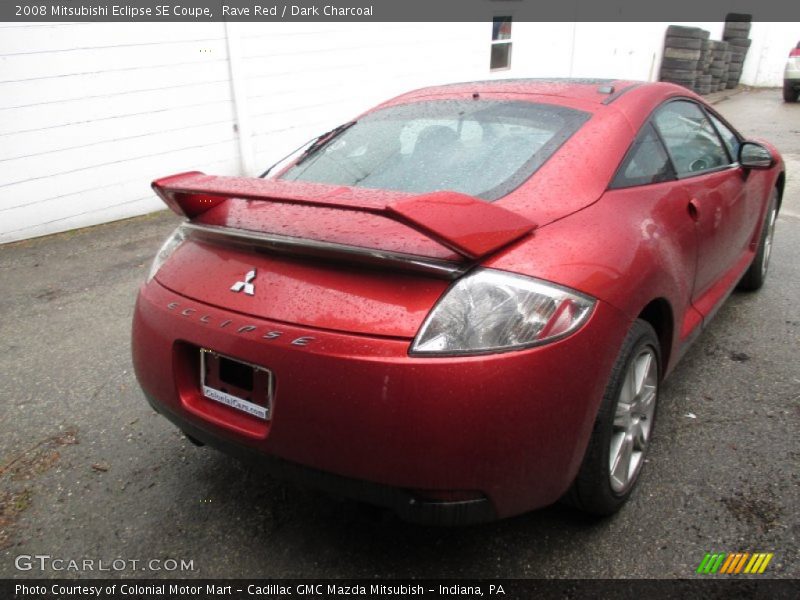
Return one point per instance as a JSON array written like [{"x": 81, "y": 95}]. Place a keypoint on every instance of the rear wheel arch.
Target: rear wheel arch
[
  {"x": 780, "y": 184},
  {"x": 658, "y": 313},
  {"x": 608, "y": 473},
  {"x": 756, "y": 274}
]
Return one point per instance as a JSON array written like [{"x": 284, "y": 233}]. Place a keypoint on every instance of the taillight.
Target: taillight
[{"x": 794, "y": 52}]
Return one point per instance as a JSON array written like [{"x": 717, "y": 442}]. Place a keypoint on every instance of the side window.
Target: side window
[
  {"x": 691, "y": 140},
  {"x": 646, "y": 162},
  {"x": 730, "y": 138}
]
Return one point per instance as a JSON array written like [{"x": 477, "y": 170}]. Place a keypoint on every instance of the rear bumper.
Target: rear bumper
[
  {"x": 357, "y": 416},
  {"x": 791, "y": 74},
  {"x": 402, "y": 502}
]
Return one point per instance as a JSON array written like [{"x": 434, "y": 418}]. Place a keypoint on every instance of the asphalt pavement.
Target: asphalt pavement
[{"x": 89, "y": 472}]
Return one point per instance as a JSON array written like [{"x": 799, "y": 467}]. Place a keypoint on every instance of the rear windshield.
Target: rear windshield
[{"x": 483, "y": 148}]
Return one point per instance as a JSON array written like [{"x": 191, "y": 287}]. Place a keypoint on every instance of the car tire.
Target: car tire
[
  {"x": 679, "y": 74},
  {"x": 743, "y": 43},
  {"x": 679, "y": 42},
  {"x": 735, "y": 34},
  {"x": 677, "y": 63},
  {"x": 682, "y": 53},
  {"x": 737, "y": 25},
  {"x": 789, "y": 93},
  {"x": 687, "y": 32},
  {"x": 600, "y": 488},
  {"x": 756, "y": 274}
]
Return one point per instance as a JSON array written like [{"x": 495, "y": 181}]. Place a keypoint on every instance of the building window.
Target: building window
[{"x": 501, "y": 44}]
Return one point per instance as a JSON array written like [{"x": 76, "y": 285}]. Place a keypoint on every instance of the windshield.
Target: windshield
[{"x": 483, "y": 148}]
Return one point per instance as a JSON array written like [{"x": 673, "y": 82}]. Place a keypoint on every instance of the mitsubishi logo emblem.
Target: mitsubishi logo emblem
[{"x": 246, "y": 285}]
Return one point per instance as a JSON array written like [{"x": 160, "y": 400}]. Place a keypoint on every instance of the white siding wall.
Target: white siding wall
[
  {"x": 614, "y": 50},
  {"x": 91, "y": 113},
  {"x": 768, "y": 53}
]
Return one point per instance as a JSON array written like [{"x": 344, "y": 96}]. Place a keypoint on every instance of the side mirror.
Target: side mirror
[{"x": 755, "y": 156}]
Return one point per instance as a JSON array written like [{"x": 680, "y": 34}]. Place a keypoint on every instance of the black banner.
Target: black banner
[
  {"x": 239, "y": 589},
  {"x": 393, "y": 10}
]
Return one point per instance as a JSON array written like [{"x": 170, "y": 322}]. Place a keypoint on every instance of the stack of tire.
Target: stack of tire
[
  {"x": 704, "y": 77},
  {"x": 684, "y": 56},
  {"x": 720, "y": 60},
  {"x": 736, "y": 34}
]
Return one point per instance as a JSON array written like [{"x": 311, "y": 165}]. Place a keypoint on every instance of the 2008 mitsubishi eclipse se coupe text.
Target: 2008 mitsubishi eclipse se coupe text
[{"x": 462, "y": 304}]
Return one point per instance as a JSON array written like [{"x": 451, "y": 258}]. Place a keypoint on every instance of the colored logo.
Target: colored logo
[{"x": 734, "y": 563}]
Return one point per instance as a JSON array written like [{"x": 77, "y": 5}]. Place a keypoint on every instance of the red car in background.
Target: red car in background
[{"x": 462, "y": 304}]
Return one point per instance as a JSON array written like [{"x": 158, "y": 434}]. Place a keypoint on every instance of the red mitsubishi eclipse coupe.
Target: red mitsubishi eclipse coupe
[{"x": 460, "y": 305}]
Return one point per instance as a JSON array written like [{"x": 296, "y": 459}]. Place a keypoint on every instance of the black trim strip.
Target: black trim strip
[
  {"x": 318, "y": 249},
  {"x": 619, "y": 93}
]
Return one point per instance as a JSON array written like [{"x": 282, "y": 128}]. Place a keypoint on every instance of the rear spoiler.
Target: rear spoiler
[{"x": 469, "y": 226}]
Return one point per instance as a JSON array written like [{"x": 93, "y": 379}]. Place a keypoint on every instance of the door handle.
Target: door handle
[{"x": 694, "y": 209}]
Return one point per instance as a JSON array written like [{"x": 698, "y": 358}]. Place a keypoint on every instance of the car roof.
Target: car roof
[
  {"x": 633, "y": 99},
  {"x": 596, "y": 91}
]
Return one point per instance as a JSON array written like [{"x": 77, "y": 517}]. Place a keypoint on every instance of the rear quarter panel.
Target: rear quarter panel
[{"x": 633, "y": 246}]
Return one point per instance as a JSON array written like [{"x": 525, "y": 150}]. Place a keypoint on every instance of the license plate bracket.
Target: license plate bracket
[{"x": 240, "y": 385}]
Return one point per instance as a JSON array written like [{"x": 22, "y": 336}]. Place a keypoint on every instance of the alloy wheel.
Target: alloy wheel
[
  {"x": 768, "y": 240},
  {"x": 633, "y": 420}
]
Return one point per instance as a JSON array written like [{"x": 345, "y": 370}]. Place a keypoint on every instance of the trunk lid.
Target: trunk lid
[
  {"x": 341, "y": 259},
  {"x": 312, "y": 293}
]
